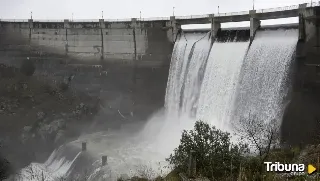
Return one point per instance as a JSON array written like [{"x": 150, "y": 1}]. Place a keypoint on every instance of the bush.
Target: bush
[
  {"x": 215, "y": 156},
  {"x": 27, "y": 67}
]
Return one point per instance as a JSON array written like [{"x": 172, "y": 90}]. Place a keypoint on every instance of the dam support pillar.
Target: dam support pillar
[
  {"x": 30, "y": 22},
  {"x": 215, "y": 26},
  {"x": 84, "y": 146},
  {"x": 254, "y": 24},
  {"x": 303, "y": 109},
  {"x": 66, "y": 26},
  {"x": 174, "y": 28},
  {"x": 104, "y": 160},
  {"x": 134, "y": 27},
  {"x": 102, "y": 26},
  {"x": 302, "y": 32}
]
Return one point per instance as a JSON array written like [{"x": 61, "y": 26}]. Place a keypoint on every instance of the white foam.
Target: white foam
[{"x": 265, "y": 71}]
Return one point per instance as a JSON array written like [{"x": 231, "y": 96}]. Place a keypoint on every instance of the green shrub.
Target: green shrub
[{"x": 216, "y": 156}]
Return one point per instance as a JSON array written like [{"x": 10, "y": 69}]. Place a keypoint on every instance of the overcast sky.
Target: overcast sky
[{"x": 91, "y": 9}]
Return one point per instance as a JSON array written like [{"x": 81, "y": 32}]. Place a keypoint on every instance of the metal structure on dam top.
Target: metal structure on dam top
[{"x": 278, "y": 12}]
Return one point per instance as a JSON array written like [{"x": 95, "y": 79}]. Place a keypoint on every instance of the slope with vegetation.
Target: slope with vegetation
[
  {"x": 37, "y": 113},
  {"x": 206, "y": 153}
]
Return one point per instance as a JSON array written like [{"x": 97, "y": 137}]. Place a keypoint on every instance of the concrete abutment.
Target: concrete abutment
[
  {"x": 255, "y": 24},
  {"x": 215, "y": 26},
  {"x": 300, "y": 125}
]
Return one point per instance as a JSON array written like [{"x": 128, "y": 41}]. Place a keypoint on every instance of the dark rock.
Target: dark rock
[{"x": 27, "y": 67}]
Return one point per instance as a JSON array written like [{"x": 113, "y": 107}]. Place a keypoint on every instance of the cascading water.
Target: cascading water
[
  {"x": 220, "y": 80},
  {"x": 262, "y": 85},
  {"x": 58, "y": 165},
  {"x": 186, "y": 72},
  {"x": 183, "y": 89}
]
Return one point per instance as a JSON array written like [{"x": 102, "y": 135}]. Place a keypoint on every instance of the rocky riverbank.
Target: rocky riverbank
[{"x": 38, "y": 113}]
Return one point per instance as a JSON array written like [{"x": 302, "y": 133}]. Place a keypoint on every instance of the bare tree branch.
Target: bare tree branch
[{"x": 259, "y": 133}]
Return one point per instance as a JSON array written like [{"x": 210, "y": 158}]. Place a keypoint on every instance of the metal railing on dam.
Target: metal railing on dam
[{"x": 189, "y": 17}]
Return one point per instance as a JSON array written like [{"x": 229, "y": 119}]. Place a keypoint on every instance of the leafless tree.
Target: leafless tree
[
  {"x": 143, "y": 171},
  {"x": 259, "y": 134}
]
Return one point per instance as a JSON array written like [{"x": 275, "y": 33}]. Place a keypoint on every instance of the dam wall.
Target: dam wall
[
  {"x": 301, "y": 119},
  {"x": 123, "y": 61},
  {"x": 88, "y": 42}
]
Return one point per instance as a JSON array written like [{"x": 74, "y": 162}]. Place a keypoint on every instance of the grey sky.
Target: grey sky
[{"x": 113, "y": 9}]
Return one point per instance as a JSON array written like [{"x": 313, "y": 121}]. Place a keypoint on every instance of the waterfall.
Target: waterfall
[
  {"x": 263, "y": 84},
  {"x": 58, "y": 165},
  {"x": 220, "y": 80},
  {"x": 186, "y": 72}
]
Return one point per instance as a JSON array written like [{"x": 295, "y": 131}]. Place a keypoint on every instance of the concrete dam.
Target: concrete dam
[{"x": 219, "y": 75}]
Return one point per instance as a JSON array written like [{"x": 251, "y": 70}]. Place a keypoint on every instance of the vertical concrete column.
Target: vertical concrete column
[
  {"x": 302, "y": 11},
  {"x": 66, "y": 26},
  {"x": 215, "y": 26},
  {"x": 102, "y": 26},
  {"x": 254, "y": 24},
  {"x": 174, "y": 28},
  {"x": 311, "y": 25},
  {"x": 101, "y": 23},
  {"x": 301, "y": 27},
  {"x": 134, "y": 27},
  {"x": 104, "y": 160},
  {"x": 30, "y": 21},
  {"x": 84, "y": 146}
]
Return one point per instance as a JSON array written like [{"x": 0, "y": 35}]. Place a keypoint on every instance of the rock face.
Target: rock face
[
  {"x": 49, "y": 132},
  {"x": 309, "y": 155},
  {"x": 7, "y": 71},
  {"x": 80, "y": 110}
]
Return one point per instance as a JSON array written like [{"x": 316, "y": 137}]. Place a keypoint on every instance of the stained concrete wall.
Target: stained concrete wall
[
  {"x": 136, "y": 56},
  {"x": 301, "y": 120},
  {"x": 119, "y": 42}
]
